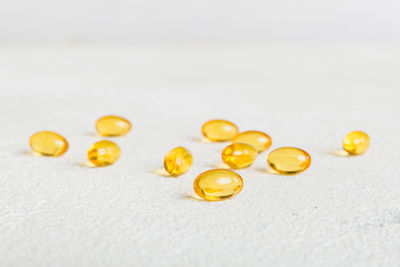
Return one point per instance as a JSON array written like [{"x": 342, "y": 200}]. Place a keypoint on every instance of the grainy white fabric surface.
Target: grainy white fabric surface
[{"x": 343, "y": 211}]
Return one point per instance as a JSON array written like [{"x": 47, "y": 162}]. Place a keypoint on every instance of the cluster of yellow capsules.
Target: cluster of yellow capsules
[
  {"x": 212, "y": 185},
  {"x": 100, "y": 154},
  {"x": 221, "y": 184}
]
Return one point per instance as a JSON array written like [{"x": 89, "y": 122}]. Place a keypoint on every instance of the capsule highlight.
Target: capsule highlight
[
  {"x": 289, "y": 160},
  {"x": 218, "y": 184},
  {"x": 113, "y": 126},
  {"x": 48, "y": 143},
  {"x": 356, "y": 142},
  {"x": 104, "y": 153},
  {"x": 239, "y": 155},
  {"x": 178, "y": 161},
  {"x": 219, "y": 130},
  {"x": 259, "y": 140}
]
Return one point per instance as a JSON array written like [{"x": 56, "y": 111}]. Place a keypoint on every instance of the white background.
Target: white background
[
  {"x": 83, "y": 21},
  {"x": 305, "y": 72}
]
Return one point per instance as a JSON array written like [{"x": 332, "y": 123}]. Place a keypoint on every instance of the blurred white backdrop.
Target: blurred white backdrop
[{"x": 136, "y": 21}]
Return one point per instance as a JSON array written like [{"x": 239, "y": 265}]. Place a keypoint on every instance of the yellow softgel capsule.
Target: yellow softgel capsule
[
  {"x": 112, "y": 126},
  {"x": 239, "y": 155},
  {"x": 178, "y": 161},
  {"x": 218, "y": 184},
  {"x": 259, "y": 140},
  {"x": 104, "y": 153},
  {"x": 356, "y": 142},
  {"x": 48, "y": 143},
  {"x": 289, "y": 160},
  {"x": 219, "y": 130}
]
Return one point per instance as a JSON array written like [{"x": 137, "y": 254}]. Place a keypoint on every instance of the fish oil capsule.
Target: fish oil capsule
[
  {"x": 218, "y": 184},
  {"x": 219, "y": 130},
  {"x": 356, "y": 142},
  {"x": 289, "y": 160},
  {"x": 112, "y": 126},
  {"x": 239, "y": 155},
  {"x": 259, "y": 140},
  {"x": 104, "y": 153},
  {"x": 178, "y": 161},
  {"x": 48, "y": 143}
]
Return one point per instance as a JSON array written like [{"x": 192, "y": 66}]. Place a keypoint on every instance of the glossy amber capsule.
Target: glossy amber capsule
[
  {"x": 112, "y": 126},
  {"x": 178, "y": 161},
  {"x": 218, "y": 184},
  {"x": 259, "y": 140},
  {"x": 356, "y": 142},
  {"x": 48, "y": 143},
  {"x": 289, "y": 160},
  {"x": 239, "y": 155},
  {"x": 219, "y": 130},
  {"x": 104, "y": 153}
]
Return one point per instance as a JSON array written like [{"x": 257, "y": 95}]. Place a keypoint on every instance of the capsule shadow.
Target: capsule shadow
[
  {"x": 86, "y": 164},
  {"x": 30, "y": 153},
  {"x": 219, "y": 166},
  {"x": 272, "y": 172},
  {"x": 201, "y": 140},
  {"x": 269, "y": 171},
  {"x": 162, "y": 172},
  {"x": 340, "y": 153},
  {"x": 193, "y": 197}
]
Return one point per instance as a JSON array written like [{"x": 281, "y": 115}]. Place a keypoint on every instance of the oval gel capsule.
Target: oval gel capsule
[
  {"x": 239, "y": 155},
  {"x": 219, "y": 130},
  {"x": 178, "y": 161},
  {"x": 356, "y": 142},
  {"x": 104, "y": 153},
  {"x": 218, "y": 184},
  {"x": 259, "y": 140},
  {"x": 289, "y": 160},
  {"x": 112, "y": 126},
  {"x": 48, "y": 143}
]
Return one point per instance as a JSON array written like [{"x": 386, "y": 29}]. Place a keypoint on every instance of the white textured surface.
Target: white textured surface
[{"x": 343, "y": 211}]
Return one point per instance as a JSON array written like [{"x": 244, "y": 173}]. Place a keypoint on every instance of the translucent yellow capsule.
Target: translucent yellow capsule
[
  {"x": 239, "y": 155},
  {"x": 259, "y": 140},
  {"x": 104, "y": 153},
  {"x": 218, "y": 184},
  {"x": 112, "y": 126},
  {"x": 178, "y": 161},
  {"x": 48, "y": 143},
  {"x": 289, "y": 160},
  {"x": 219, "y": 130},
  {"x": 356, "y": 142}
]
